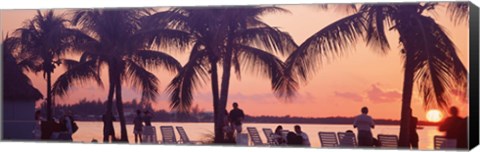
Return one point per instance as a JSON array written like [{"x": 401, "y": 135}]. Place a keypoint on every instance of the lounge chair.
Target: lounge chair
[
  {"x": 184, "y": 138},
  {"x": 149, "y": 134},
  {"x": 328, "y": 139},
  {"x": 441, "y": 142},
  {"x": 347, "y": 139},
  {"x": 268, "y": 133},
  {"x": 388, "y": 141},
  {"x": 255, "y": 136},
  {"x": 168, "y": 135}
]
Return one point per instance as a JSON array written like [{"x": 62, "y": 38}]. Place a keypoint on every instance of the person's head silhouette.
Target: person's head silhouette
[
  {"x": 279, "y": 128},
  {"x": 235, "y": 105},
  {"x": 454, "y": 111},
  {"x": 364, "y": 110},
  {"x": 298, "y": 129}
]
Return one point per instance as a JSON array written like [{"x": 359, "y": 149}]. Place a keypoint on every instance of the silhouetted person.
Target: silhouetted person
[
  {"x": 147, "y": 118},
  {"x": 364, "y": 123},
  {"x": 293, "y": 139},
  {"x": 413, "y": 142},
  {"x": 37, "y": 131},
  {"x": 348, "y": 139},
  {"x": 305, "y": 140},
  {"x": 66, "y": 127},
  {"x": 236, "y": 118},
  {"x": 108, "y": 132},
  {"x": 138, "y": 127},
  {"x": 463, "y": 135},
  {"x": 452, "y": 125},
  {"x": 277, "y": 136},
  {"x": 227, "y": 128}
]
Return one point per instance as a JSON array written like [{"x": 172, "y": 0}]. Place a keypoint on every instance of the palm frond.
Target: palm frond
[
  {"x": 458, "y": 11},
  {"x": 437, "y": 67},
  {"x": 268, "y": 38},
  {"x": 333, "y": 40},
  {"x": 155, "y": 59},
  {"x": 268, "y": 65},
  {"x": 376, "y": 17},
  {"x": 192, "y": 75},
  {"x": 81, "y": 73},
  {"x": 345, "y": 8},
  {"x": 141, "y": 78}
]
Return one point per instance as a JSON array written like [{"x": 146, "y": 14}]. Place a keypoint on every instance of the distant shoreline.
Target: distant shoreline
[{"x": 384, "y": 124}]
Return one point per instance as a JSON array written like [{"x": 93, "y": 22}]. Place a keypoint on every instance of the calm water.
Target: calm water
[{"x": 199, "y": 131}]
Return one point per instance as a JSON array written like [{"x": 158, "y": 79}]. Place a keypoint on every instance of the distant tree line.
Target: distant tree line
[{"x": 91, "y": 110}]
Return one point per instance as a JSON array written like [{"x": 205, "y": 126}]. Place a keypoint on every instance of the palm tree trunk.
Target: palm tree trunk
[
  {"x": 406, "y": 100},
  {"x": 109, "y": 111},
  {"x": 225, "y": 80},
  {"x": 217, "y": 124},
  {"x": 49, "y": 96},
  {"x": 118, "y": 97}
]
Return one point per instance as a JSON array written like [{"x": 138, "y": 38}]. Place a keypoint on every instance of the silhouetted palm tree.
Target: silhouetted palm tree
[
  {"x": 227, "y": 36},
  {"x": 16, "y": 85},
  {"x": 115, "y": 39},
  {"x": 42, "y": 41},
  {"x": 429, "y": 55}
]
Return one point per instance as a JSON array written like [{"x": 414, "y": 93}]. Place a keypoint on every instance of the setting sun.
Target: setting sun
[{"x": 434, "y": 115}]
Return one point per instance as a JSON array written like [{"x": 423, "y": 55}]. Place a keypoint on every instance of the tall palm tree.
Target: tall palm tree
[
  {"x": 429, "y": 55},
  {"x": 227, "y": 36},
  {"x": 115, "y": 38},
  {"x": 43, "y": 40}
]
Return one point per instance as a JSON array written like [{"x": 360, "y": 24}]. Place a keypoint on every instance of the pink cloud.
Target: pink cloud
[
  {"x": 349, "y": 95},
  {"x": 377, "y": 94}
]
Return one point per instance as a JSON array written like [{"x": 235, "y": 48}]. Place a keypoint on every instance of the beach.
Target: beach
[{"x": 89, "y": 130}]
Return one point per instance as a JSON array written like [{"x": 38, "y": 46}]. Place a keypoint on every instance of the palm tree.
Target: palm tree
[
  {"x": 115, "y": 38},
  {"x": 42, "y": 41},
  {"x": 16, "y": 85},
  {"x": 429, "y": 55},
  {"x": 234, "y": 37}
]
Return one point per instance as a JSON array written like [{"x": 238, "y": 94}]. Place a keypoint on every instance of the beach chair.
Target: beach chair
[
  {"x": 388, "y": 141},
  {"x": 255, "y": 136},
  {"x": 328, "y": 139},
  {"x": 347, "y": 139},
  {"x": 441, "y": 142},
  {"x": 183, "y": 136},
  {"x": 149, "y": 134},
  {"x": 268, "y": 133},
  {"x": 168, "y": 135}
]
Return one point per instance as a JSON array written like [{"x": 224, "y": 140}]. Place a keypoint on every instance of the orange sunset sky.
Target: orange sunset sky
[{"x": 339, "y": 88}]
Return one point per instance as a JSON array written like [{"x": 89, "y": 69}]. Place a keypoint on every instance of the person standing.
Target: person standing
[
  {"x": 305, "y": 140},
  {"x": 452, "y": 126},
  {"x": 364, "y": 123},
  {"x": 37, "y": 131},
  {"x": 108, "y": 132},
  {"x": 236, "y": 117},
  {"x": 147, "y": 118},
  {"x": 413, "y": 142},
  {"x": 138, "y": 127},
  {"x": 66, "y": 126},
  {"x": 227, "y": 128}
]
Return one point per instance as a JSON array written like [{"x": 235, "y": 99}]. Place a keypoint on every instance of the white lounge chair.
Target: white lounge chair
[
  {"x": 441, "y": 142},
  {"x": 149, "y": 134},
  {"x": 168, "y": 135},
  {"x": 388, "y": 141},
  {"x": 268, "y": 133},
  {"x": 255, "y": 136},
  {"x": 328, "y": 139},
  {"x": 184, "y": 138},
  {"x": 347, "y": 139}
]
